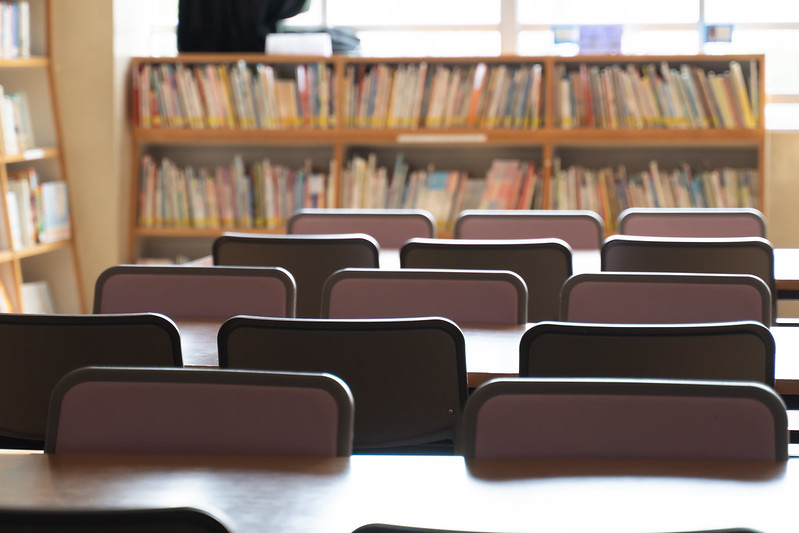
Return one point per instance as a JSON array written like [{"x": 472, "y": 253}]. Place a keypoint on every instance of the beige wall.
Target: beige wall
[
  {"x": 92, "y": 43},
  {"x": 782, "y": 173}
]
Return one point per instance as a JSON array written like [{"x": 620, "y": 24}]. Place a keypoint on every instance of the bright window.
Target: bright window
[
  {"x": 414, "y": 28},
  {"x": 607, "y": 12}
]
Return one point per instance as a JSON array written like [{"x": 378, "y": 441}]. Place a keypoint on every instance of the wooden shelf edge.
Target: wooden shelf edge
[
  {"x": 34, "y": 154},
  {"x": 29, "y": 62},
  {"x": 425, "y": 136},
  {"x": 199, "y": 232},
  {"x": 40, "y": 249}
]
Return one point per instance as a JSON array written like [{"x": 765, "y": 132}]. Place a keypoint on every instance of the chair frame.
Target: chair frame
[
  {"x": 430, "y": 274},
  {"x": 521, "y": 214},
  {"x": 280, "y": 274},
  {"x": 629, "y": 216},
  {"x": 667, "y": 277},
  {"x": 361, "y": 240},
  {"x": 250, "y": 238},
  {"x": 101, "y": 519},
  {"x": 334, "y": 386},
  {"x": 624, "y": 387},
  {"x": 365, "y": 216},
  {"x": 589, "y": 331},
  {"x": 355, "y": 325},
  {"x": 155, "y": 320},
  {"x": 486, "y": 246},
  {"x": 664, "y": 243}
]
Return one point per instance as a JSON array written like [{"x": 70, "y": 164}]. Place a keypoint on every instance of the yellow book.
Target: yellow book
[
  {"x": 739, "y": 92},
  {"x": 227, "y": 100},
  {"x": 722, "y": 100}
]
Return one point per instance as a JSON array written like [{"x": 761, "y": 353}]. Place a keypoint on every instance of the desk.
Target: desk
[
  {"x": 786, "y": 268},
  {"x": 492, "y": 351},
  {"x": 337, "y": 495},
  {"x": 786, "y": 272}
]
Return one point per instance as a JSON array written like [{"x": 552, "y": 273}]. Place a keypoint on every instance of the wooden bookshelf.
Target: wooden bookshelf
[
  {"x": 465, "y": 141},
  {"x": 40, "y": 257}
]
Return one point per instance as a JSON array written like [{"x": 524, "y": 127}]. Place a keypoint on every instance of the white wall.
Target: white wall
[{"x": 92, "y": 41}]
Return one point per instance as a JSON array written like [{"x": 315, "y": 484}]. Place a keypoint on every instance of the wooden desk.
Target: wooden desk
[
  {"x": 493, "y": 351},
  {"x": 337, "y": 495},
  {"x": 786, "y": 272},
  {"x": 786, "y": 268}
]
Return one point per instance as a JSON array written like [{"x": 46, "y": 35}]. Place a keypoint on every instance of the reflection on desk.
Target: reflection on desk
[{"x": 337, "y": 495}]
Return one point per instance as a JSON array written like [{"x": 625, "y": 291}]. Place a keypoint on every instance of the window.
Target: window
[{"x": 534, "y": 27}]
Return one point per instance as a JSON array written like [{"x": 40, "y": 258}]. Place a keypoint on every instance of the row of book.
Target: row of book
[
  {"x": 258, "y": 195},
  {"x": 609, "y": 191},
  {"x": 233, "y": 96},
  {"x": 508, "y": 184},
  {"x": 656, "y": 96},
  {"x": 15, "y": 30},
  {"x": 443, "y": 96},
  {"x": 38, "y": 211},
  {"x": 16, "y": 122}
]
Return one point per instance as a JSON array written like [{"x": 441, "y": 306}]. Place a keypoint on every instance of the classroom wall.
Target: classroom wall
[{"x": 92, "y": 41}]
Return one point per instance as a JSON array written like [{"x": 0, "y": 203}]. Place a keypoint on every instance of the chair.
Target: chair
[
  {"x": 38, "y": 350},
  {"x": 630, "y": 419},
  {"x": 390, "y": 227},
  {"x": 463, "y": 296},
  {"x": 692, "y": 222},
  {"x": 743, "y": 255},
  {"x": 182, "y": 292},
  {"x": 407, "y": 376},
  {"x": 543, "y": 264},
  {"x": 97, "y": 520},
  {"x": 741, "y": 351},
  {"x": 582, "y": 229},
  {"x": 199, "y": 412},
  {"x": 664, "y": 298},
  {"x": 310, "y": 259}
]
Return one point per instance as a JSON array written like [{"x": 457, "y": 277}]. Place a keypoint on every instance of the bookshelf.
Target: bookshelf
[
  {"x": 38, "y": 263},
  {"x": 499, "y": 126}
]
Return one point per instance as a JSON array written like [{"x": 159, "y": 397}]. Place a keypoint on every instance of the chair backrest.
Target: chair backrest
[
  {"x": 199, "y": 412},
  {"x": 38, "y": 350},
  {"x": 390, "y": 227},
  {"x": 463, "y": 296},
  {"x": 664, "y": 298},
  {"x": 407, "y": 376},
  {"x": 692, "y": 222},
  {"x": 740, "y": 255},
  {"x": 543, "y": 264},
  {"x": 582, "y": 229},
  {"x": 741, "y": 351},
  {"x": 310, "y": 259},
  {"x": 101, "y": 520},
  {"x": 608, "y": 418},
  {"x": 182, "y": 292}
]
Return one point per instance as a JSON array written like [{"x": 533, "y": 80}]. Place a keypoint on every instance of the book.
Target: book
[
  {"x": 37, "y": 298},
  {"x": 54, "y": 225}
]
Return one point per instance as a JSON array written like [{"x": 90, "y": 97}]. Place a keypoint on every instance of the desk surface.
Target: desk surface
[
  {"x": 493, "y": 351},
  {"x": 337, "y": 495},
  {"x": 786, "y": 266}
]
